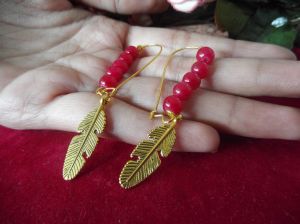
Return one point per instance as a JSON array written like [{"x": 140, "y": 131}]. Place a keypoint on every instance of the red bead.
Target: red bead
[
  {"x": 206, "y": 55},
  {"x": 201, "y": 69},
  {"x": 172, "y": 104},
  {"x": 127, "y": 58},
  {"x": 182, "y": 90},
  {"x": 108, "y": 81},
  {"x": 133, "y": 51},
  {"x": 116, "y": 72},
  {"x": 121, "y": 64},
  {"x": 191, "y": 79}
]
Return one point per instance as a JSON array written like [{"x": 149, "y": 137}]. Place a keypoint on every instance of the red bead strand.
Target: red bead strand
[
  {"x": 182, "y": 90},
  {"x": 190, "y": 81},
  {"x": 114, "y": 74},
  {"x": 108, "y": 81},
  {"x": 127, "y": 58},
  {"x": 173, "y": 104},
  {"x": 201, "y": 69},
  {"x": 133, "y": 51},
  {"x": 206, "y": 55},
  {"x": 121, "y": 64}
]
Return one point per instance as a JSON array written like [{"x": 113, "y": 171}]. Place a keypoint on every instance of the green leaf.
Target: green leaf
[
  {"x": 232, "y": 17},
  {"x": 260, "y": 20},
  {"x": 251, "y": 20},
  {"x": 283, "y": 36}
]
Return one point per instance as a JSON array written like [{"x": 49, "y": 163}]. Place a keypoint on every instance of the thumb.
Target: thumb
[{"x": 128, "y": 6}]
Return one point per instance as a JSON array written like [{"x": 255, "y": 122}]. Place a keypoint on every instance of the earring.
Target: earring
[
  {"x": 83, "y": 144},
  {"x": 162, "y": 138}
]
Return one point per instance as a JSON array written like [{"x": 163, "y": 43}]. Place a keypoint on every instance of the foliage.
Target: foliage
[{"x": 267, "y": 21}]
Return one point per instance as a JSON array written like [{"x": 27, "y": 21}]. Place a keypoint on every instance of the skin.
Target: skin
[{"x": 53, "y": 54}]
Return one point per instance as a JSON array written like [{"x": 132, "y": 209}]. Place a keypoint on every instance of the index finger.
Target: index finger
[{"x": 224, "y": 47}]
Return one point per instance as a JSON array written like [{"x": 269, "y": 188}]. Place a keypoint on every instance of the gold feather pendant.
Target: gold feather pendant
[
  {"x": 84, "y": 144},
  {"x": 162, "y": 140}
]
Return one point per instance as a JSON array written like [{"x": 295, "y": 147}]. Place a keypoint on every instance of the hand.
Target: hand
[{"x": 52, "y": 56}]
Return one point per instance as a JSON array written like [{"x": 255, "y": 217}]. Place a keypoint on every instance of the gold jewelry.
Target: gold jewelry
[
  {"x": 162, "y": 138},
  {"x": 83, "y": 145}
]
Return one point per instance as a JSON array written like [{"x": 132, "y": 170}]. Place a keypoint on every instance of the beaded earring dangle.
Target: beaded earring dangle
[
  {"x": 83, "y": 144},
  {"x": 162, "y": 139}
]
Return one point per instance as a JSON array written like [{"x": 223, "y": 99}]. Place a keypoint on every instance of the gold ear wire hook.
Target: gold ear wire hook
[
  {"x": 141, "y": 48},
  {"x": 154, "y": 113}
]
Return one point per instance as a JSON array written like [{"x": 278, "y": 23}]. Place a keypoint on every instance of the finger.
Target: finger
[
  {"x": 224, "y": 47},
  {"x": 253, "y": 77},
  {"x": 125, "y": 122},
  {"x": 247, "y": 77},
  {"x": 229, "y": 113},
  {"x": 129, "y": 6},
  {"x": 22, "y": 99}
]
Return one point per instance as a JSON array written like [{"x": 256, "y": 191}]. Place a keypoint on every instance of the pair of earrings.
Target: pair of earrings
[{"x": 161, "y": 139}]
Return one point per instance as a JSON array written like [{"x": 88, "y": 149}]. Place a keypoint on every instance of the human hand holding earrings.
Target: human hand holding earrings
[{"x": 162, "y": 138}]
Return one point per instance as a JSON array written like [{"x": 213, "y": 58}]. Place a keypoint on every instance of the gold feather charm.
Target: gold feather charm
[
  {"x": 161, "y": 139},
  {"x": 85, "y": 143}
]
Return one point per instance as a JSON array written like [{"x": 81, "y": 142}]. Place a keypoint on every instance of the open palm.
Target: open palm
[{"x": 52, "y": 56}]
